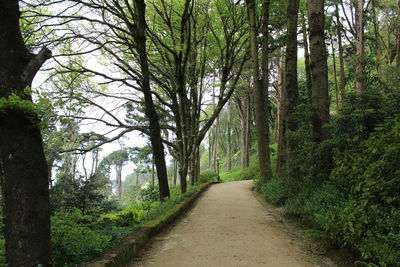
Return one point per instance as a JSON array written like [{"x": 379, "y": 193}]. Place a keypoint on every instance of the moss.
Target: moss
[{"x": 18, "y": 103}]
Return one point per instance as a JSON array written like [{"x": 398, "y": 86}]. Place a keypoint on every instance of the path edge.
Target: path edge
[{"x": 123, "y": 252}]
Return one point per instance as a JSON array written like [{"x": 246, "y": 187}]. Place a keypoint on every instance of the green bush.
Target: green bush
[
  {"x": 248, "y": 173},
  {"x": 371, "y": 174},
  {"x": 2, "y": 252},
  {"x": 133, "y": 214},
  {"x": 359, "y": 204},
  {"x": 73, "y": 241},
  {"x": 207, "y": 176},
  {"x": 150, "y": 194},
  {"x": 274, "y": 191}
]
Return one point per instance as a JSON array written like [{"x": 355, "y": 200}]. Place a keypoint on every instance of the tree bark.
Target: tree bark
[
  {"x": 281, "y": 118},
  {"x": 194, "y": 161},
  {"x": 23, "y": 166},
  {"x": 175, "y": 171},
  {"x": 118, "y": 171},
  {"x": 342, "y": 82},
  {"x": 246, "y": 122},
  {"x": 319, "y": 69},
  {"x": 398, "y": 42},
  {"x": 259, "y": 93},
  {"x": 307, "y": 59},
  {"x": 155, "y": 130},
  {"x": 243, "y": 106},
  {"x": 360, "y": 80},
  {"x": 291, "y": 92},
  {"x": 335, "y": 79},
  {"x": 229, "y": 139}
]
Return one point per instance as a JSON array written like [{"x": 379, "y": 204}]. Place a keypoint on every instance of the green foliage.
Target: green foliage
[
  {"x": 274, "y": 191},
  {"x": 150, "y": 194},
  {"x": 74, "y": 242},
  {"x": 80, "y": 238},
  {"x": 2, "y": 241},
  {"x": 207, "y": 176},
  {"x": 133, "y": 214},
  {"x": 85, "y": 195},
  {"x": 359, "y": 116},
  {"x": 248, "y": 173},
  {"x": 17, "y": 102},
  {"x": 351, "y": 199}
]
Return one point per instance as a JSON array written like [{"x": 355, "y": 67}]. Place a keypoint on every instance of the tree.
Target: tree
[
  {"x": 398, "y": 41},
  {"x": 360, "y": 80},
  {"x": 243, "y": 105},
  {"x": 319, "y": 69},
  {"x": 259, "y": 89},
  {"x": 290, "y": 96},
  {"x": 151, "y": 113},
  {"x": 342, "y": 82},
  {"x": 23, "y": 168},
  {"x": 117, "y": 159}
]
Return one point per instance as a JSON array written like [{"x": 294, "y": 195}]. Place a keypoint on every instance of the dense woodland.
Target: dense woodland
[{"x": 301, "y": 96}]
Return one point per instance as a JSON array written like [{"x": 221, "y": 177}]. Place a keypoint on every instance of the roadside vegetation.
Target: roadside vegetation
[{"x": 113, "y": 111}]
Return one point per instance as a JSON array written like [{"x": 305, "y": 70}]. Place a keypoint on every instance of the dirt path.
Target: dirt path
[{"x": 228, "y": 227}]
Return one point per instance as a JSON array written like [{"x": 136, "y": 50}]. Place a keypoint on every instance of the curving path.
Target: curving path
[{"x": 227, "y": 227}]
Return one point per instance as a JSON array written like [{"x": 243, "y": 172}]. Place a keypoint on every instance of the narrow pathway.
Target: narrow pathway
[{"x": 227, "y": 227}]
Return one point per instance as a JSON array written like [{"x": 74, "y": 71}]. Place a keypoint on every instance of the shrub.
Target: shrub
[
  {"x": 133, "y": 214},
  {"x": 274, "y": 191},
  {"x": 248, "y": 173},
  {"x": 207, "y": 176},
  {"x": 73, "y": 241},
  {"x": 150, "y": 194}
]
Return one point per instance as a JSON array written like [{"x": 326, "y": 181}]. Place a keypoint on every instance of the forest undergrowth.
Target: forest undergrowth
[
  {"x": 79, "y": 237},
  {"x": 352, "y": 200}
]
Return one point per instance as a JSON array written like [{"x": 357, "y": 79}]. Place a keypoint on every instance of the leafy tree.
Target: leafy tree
[{"x": 117, "y": 159}]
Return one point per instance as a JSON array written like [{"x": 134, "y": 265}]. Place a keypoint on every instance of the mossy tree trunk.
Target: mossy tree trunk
[{"x": 23, "y": 166}]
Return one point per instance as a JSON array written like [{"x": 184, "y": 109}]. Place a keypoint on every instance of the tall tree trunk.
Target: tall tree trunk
[
  {"x": 118, "y": 171},
  {"x": 398, "y": 41},
  {"x": 360, "y": 80},
  {"x": 265, "y": 160},
  {"x": 378, "y": 49},
  {"x": 259, "y": 93},
  {"x": 335, "y": 79},
  {"x": 229, "y": 141},
  {"x": 210, "y": 148},
  {"x": 183, "y": 171},
  {"x": 398, "y": 51},
  {"x": 194, "y": 162},
  {"x": 291, "y": 92},
  {"x": 342, "y": 83},
  {"x": 175, "y": 171},
  {"x": 319, "y": 69},
  {"x": 243, "y": 106},
  {"x": 281, "y": 119},
  {"x": 307, "y": 58},
  {"x": 150, "y": 111},
  {"x": 246, "y": 122},
  {"x": 198, "y": 164},
  {"x": 23, "y": 166}
]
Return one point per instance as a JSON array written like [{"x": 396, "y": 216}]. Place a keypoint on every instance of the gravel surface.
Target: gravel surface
[{"x": 228, "y": 227}]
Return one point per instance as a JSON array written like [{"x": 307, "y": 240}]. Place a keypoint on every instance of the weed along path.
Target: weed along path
[{"x": 227, "y": 226}]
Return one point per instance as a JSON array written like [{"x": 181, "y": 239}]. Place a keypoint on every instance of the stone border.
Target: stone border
[{"x": 129, "y": 247}]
